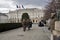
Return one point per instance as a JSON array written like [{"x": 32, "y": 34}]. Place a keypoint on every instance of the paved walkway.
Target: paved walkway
[{"x": 36, "y": 33}]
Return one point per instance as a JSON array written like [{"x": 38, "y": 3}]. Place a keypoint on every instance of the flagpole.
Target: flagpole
[{"x": 17, "y": 15}]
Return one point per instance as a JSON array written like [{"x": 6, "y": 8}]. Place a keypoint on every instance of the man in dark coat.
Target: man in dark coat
[
  {"x": 30, "y": 25},
  {"x": 24, "y": 24}
]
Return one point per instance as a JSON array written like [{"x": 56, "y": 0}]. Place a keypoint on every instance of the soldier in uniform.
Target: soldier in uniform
[
  {"x": 24, "y": 24},
  {"x": 29, "y": 24}
]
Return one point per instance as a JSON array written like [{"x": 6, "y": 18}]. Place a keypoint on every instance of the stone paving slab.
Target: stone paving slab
[{"x": 36, "y": 33}]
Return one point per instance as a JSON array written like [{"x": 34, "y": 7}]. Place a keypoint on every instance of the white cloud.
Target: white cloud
[
  {"x": 6, "y": 10},
  {"x": 3, "y": 10},
  {"x": 33, "y": 6},
  {"x": 6, "y": 5}
]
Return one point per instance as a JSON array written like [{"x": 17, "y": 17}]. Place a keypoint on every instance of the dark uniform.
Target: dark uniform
[
  {"x": 24, "y": 24},
  {"x": 30, "y": 25}
]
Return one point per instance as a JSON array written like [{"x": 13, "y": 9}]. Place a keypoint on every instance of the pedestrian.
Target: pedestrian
[
  {"x": 24, "y": 24},
  {"x": 30, "y": 25},
  {"x": 52, "y": 23},
  {"x": 48, "y": 23}
]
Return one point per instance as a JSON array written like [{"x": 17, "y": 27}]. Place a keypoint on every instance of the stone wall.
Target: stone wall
[{"x": 56, "y": 32}]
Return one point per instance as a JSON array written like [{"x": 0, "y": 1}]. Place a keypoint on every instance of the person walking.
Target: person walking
[
  {"x": 24, "y": 24},
  {"x": 30, "y": 25}
]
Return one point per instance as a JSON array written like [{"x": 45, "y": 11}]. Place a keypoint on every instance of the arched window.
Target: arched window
[
  {"x": 36, "y": 21},
  {"x": 33, "y": 20}
]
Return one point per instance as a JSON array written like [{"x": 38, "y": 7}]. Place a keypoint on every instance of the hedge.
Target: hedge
[{"x": 9, "y": 26}]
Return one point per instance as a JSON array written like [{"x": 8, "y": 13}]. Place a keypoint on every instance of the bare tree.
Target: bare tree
[{"x": 50, "y": 8}]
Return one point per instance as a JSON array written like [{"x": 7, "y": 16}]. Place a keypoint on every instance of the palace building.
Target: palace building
[{"x": 34, "y": 13}]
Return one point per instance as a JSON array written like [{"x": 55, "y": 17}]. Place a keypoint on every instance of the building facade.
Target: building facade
[
  {"x": 3, "y": 18},
  {"x": 34, "y": 13},
  {"x": 58, "y": 9}
]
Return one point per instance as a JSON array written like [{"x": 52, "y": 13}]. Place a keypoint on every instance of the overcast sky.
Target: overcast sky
[{"x": 6, "y": 5}]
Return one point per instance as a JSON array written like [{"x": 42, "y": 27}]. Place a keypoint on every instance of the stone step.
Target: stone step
[
  {"x": 57, "y": 25},
  {"x": 55, "y": 32}
]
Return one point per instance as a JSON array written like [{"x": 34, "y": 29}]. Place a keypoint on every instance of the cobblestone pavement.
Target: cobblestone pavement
[{"x": 36, "y": 33}]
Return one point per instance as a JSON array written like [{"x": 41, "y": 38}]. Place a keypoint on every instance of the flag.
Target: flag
[
  {"x": 17, "y": 6},
  {"x": 22, "y": 6}
]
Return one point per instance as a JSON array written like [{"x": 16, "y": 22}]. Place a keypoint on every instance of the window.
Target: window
[
  {"x": 33, "y": 20},
  {"x": 58, "y": 15},
  {"x": 36, "y": 21}
]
